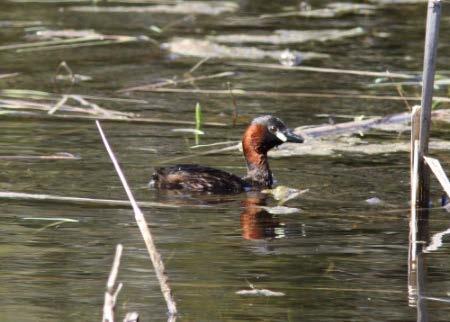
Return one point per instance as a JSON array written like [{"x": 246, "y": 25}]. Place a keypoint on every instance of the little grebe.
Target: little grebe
[{"x": 263, "y": 134}]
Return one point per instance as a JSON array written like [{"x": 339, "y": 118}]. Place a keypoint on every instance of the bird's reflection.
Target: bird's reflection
[{"x": 256, "y": 222}]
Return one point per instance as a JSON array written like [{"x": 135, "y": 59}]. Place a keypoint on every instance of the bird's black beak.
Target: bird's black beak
[{"x": 292, "y": 137}]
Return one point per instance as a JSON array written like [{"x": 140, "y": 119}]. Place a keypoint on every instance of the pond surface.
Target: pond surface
[{"x": 338, "y": 259}]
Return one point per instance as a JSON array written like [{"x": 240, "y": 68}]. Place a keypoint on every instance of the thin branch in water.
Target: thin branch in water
[
  {"x": 241, "y": 92},
  {"x": 325, "y": 70},
  {"x": 196, "y": 66},
  {"x": 20, "y": 196},
  {"x": 145, "y": 231}
]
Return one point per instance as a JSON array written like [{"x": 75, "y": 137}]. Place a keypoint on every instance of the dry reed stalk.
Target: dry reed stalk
[
  {"x": 111, "y": 294},
  {"x": 145, "y": 231},
  {"x": 429, "y": 65},
  {"x": 439, "y": 172},
  {"x": 144, "y": 120},
  {"x": 131, "y": 317}
]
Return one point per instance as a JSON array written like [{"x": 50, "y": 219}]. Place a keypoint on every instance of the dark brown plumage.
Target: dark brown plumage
[{"x": 195, "y": 177}]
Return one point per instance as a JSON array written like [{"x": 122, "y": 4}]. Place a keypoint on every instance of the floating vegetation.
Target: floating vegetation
[
  {"x": 290, "y": 36},
  {"x": 193, "y": 131},
  {"x": 374, "y": 201},
  {"x": 386, "y": 2},
  {"x": 59, "y": 219},
  {"x": 19, "y": 23},
  {"x": 289, "y": 58},
  {"x": 40, "y": 95},
  {"x": 172, "y": 82},
  {"x": 332, "y": 10},
  {"x": 36, "y": 104},
  {"x": 56, "y": 156},
  {"x": 259, "y": 292},
  {"x": 351, "y": 145},
  {"x": 205, "y": 48},
  {"x": 325, "y": 70},
  {"x": 8, "y": 75},
  {"x": 276, "y": 95},
  {"x": 439, "y": 82},
  {"x": 281, "y": 210},
  {"x": 213, "y": 8},
  {"x": 69, "y": 38},
  {"x": 283, "y": 193}
]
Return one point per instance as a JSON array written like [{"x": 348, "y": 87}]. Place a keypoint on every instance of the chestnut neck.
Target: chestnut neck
[{"x": 255, "y": 153}]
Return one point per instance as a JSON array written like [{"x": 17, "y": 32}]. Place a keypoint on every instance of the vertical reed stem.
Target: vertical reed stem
[
  {"x": 145, "y": 231},
  {"x": 429, "y": 63}
]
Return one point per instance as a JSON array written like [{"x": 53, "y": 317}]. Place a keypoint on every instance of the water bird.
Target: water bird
[{"x": 263, "y": 133}]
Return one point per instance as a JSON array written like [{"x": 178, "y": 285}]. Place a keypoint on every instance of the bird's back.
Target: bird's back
[{"x": 195, "y": 177}]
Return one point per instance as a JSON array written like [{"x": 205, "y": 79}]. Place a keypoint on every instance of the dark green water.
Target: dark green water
[{"x": 340, "y": 259}]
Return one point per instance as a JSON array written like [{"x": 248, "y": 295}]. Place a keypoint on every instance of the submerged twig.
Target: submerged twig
[{"x": 145, "y": 231}]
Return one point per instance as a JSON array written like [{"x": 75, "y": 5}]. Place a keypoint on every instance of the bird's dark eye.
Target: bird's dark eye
[{"x": 272, "y": 128}]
